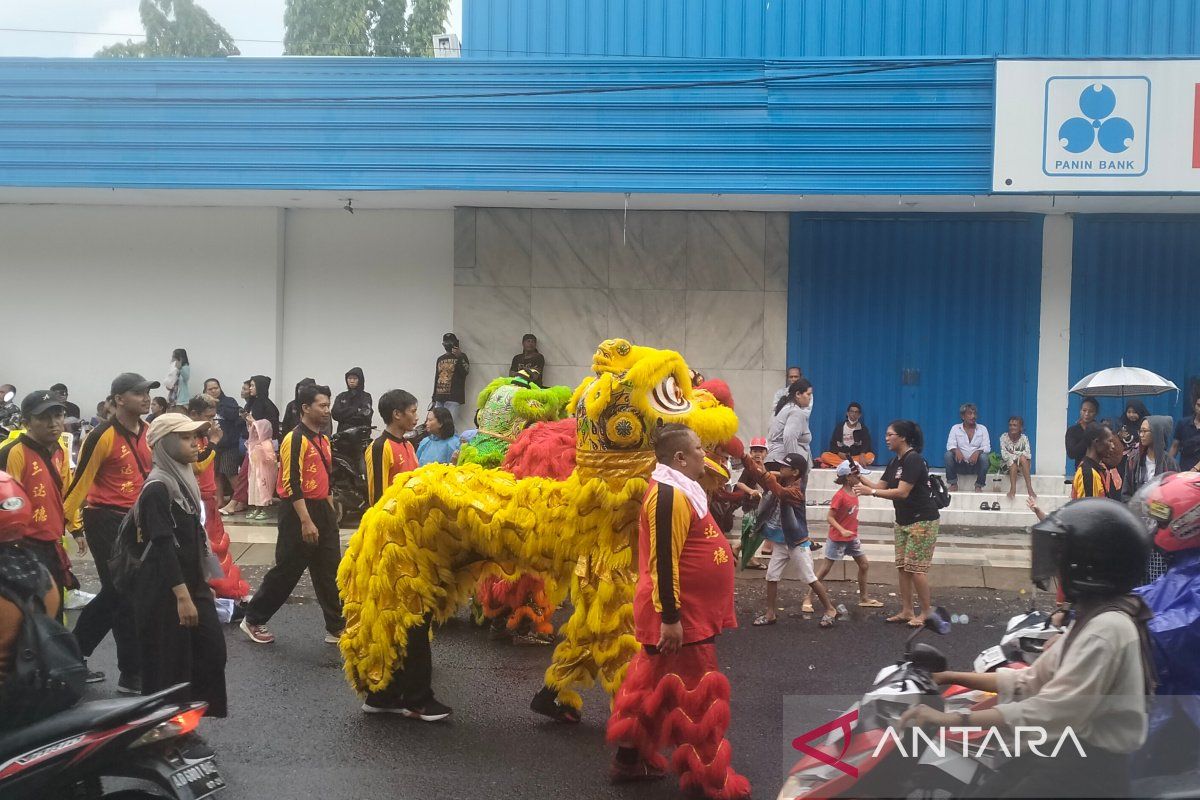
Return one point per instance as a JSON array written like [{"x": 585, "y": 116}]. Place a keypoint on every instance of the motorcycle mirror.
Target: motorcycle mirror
[
  {"x": 938, "y": 621},
  {"x": 8, "y": 396}
]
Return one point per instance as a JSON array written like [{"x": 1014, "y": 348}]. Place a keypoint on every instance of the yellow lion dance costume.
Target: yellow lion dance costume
[{"x": 421, "y": 549}]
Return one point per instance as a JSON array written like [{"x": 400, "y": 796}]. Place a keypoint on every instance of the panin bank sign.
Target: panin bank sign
[{"x": 1097, "y": 126}]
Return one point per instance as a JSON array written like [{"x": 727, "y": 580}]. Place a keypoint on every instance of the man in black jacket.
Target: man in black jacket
[{"x": 353, "y": 407}]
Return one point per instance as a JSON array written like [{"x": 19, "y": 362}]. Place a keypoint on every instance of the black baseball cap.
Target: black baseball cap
[
  {"x": 131, "y": 382},
  {"x": 795, "y": 461},
  {"x": 40, "y": 402}
]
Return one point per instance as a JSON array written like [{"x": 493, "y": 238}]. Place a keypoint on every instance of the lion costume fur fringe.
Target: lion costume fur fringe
[{"x": 419, "y": 551}]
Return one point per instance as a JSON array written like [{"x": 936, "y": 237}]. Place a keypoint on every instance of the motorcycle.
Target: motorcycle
[
  {"x": 1025, "y": 638},
  {"x": 148, "y": 741},
  {"x": 349, "y": 477}
]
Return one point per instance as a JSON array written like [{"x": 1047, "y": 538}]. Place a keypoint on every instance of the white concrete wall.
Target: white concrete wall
[
  {"x": 374, "y": 289},
  {"x": 91, "y": 291},
  {"x": 1054, "y": 345},
  {"x": 709, "y": 284}
]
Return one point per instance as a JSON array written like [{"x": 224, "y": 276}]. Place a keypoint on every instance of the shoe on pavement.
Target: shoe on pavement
[
  {"x": 638, "y": 771},
  {"x": 545, "y": 702},
  {"x": 333, "y": 638},
  {"x": 430, "y": 711},
  {"x": 257, "y": 633},
  {"x": 93, "y": 675},
  {"x": 129, "y": 684},
  {"x": 531, "y": 639}
]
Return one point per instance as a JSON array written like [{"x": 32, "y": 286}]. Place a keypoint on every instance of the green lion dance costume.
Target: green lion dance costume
[
  {"x": 425, "y": 544},
  {"x": 508, "y": 406}
]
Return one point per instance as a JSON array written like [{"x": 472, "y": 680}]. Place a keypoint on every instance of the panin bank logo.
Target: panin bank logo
[{"x": 1096, "y": 126}]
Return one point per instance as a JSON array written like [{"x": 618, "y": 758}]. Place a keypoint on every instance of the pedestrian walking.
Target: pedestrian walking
[
  {"x": 37, "y": 460},
  {"x": 905, "y": 482},
  {"x": 113, "y": 464},
  {"x": 789, "y": 431},
  {"x": 264, "y": 469},
  {"x": 308, "y": 529},
  {"x": 843, "y": 532},
  {"x": 179, "y": 635},
  {"x": 441, "y": 446},
  {"x": 179, "y": 374}
]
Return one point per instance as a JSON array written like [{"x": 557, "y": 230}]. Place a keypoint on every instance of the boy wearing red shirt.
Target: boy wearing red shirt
[{"x": 843, "y": 530}]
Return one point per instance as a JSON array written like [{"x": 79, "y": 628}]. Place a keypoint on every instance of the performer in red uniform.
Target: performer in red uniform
[{"x": 674, "y": 693}]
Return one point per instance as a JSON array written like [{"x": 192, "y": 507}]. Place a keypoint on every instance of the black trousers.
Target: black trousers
[
  {"x": 292, "y": 556},
  {"x": 171, "y": 653},
  {"x": 47, "y": 555},
  {"x": 108, "y": 610},
  {"x": 412, "y": 682}
]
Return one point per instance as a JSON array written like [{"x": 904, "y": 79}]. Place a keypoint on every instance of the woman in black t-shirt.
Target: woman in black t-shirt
[{"x": 906, "y": 483}]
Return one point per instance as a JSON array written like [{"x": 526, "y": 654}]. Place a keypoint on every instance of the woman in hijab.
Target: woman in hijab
[
  {"x": 259, "y": 405},
  {"x": 1130, "y": 425},
  {"x": 178, "y": 631}
]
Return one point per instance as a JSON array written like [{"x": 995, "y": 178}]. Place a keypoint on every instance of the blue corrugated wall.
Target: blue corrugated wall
[
  {"x": 912, "y": 315},
  {"x": 1135, "y": 296},
  {"x": 671, "y": 126},
  {"x": 829, "y": 28}
]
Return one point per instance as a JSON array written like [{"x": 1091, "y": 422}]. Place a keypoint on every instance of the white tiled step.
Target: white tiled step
[
  {"x": 885, "y": 515},
  {"x": 1042, "y": 484},
  {"x": 959, "y": 501}
]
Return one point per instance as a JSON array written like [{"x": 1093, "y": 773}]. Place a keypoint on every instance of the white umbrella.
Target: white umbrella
[{"x": 1123, "y": 381}]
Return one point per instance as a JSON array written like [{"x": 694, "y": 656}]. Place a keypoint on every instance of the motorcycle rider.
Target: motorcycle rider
[
  {"x": 352, "y": 408},
  {"x": 1095, "y": 680}
]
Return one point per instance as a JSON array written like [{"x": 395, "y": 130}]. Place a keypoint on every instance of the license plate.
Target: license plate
[
  {"x": 198, "y": 780},
  {"x": 989, "y": 659}
]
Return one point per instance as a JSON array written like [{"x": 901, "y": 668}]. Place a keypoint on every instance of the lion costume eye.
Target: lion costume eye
[{"x": 668, "y": 398}]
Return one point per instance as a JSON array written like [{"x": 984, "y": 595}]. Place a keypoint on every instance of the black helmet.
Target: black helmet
[
  {"x": 449, "y": 341},
  {"x": 1094, "y": 546}
]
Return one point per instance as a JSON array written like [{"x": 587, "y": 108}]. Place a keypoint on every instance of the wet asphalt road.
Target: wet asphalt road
[{"x": 296, "y": 731}]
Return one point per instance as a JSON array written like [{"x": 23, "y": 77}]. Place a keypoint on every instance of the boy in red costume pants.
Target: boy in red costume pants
[{"x": 674, "y": 695}]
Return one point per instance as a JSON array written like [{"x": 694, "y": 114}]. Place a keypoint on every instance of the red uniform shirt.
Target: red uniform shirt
[
  {"x": 206, "y": 470},
  {"x": 305, "y": 461},
  {"x": 844, "y": 507},
  {"x": 685, "y": 569},
  {"x": 386, "y": 458},
  {"x": 42, "y": 474},
  {"x": 113, "y": 465}
]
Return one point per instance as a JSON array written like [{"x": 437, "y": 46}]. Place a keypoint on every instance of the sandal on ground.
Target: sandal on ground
[
  {"x": 807, "y": 608},
  {"x": 898, "y": 618},
  {"x": 763, "y": 619},
  {"x": 916, "y": 622},
  {"x": 827, "y": 621},
  {"x": 995, "y": 505},
  {"x": 871, "y": 603},
  {"x": 756, "y": 564}
]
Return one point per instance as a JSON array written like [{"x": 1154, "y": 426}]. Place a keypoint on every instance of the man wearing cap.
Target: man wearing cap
[
  {"x": 450, "y": 378},
  {"x": 37, "y": 460},
  {"x": 113, "y": 464},
  {"x": 529, "y": 360}
]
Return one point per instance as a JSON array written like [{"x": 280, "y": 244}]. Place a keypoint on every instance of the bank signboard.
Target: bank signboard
[{"x": 1097, "y": 126}]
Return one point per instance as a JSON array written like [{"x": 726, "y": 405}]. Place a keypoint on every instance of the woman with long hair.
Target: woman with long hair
[
  {"x": 1153, "y": 455},
  {"x": 178, "y": 374},
  {"x": 905, "y": 482},
  {"x": 789, "y": 431}
]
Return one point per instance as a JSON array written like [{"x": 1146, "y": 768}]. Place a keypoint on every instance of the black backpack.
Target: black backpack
[
  {"x": 123, "y": 559},
  {"x": 935, "y": 484},
  {"x": 48, "y": 672}
]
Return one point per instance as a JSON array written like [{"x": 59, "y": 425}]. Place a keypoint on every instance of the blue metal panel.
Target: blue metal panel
[
  {"x": 1134, "y": 297},
  {"x": 671, "y": 125},
  {"x": 954, "y": 302},
  {"x": 829, "y": 28}
]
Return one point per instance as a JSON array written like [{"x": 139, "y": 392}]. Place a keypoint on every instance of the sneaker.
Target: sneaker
[
  {"x": 431, "y": 711},
  {"x": 633, "y": 773},
  {"x": 129, "y": 684},
  {"x": 545, "y": 702},
  {"x": 257, "y": 633},
  {"x": 77, "y": 598},
  {"x": 93, "y": 675},
  {"x": 333, "y": 638}
]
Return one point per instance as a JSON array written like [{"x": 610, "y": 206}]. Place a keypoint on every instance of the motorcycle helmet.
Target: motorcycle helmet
[
  {"x": 1094, "y": 546},
  {"x": 449, "y": 341},
  {"x": 1169, "y": 505},
  {"x": 16, "y": 512}
]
